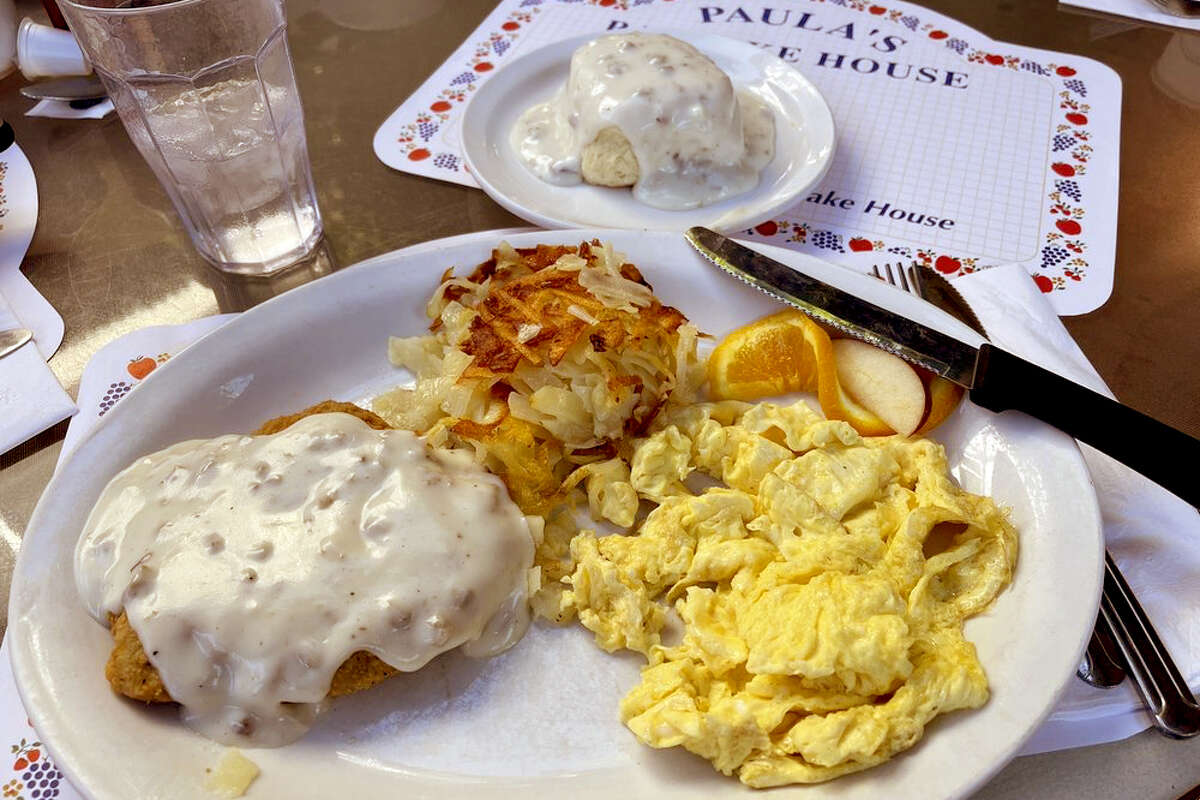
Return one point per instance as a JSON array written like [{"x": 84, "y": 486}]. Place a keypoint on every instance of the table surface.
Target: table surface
[{"x": 110, "y": 254}]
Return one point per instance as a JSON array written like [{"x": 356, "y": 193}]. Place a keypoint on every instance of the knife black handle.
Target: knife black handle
[{"x": 1004, "y": 381}]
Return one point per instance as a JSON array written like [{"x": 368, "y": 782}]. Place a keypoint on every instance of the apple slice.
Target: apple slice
[{"x": 882, "y": 383}]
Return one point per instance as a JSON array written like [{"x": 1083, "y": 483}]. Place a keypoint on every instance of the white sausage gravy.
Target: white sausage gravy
[
  {"x": 695, "y": 138},
  {"x": 251, "y": 567}
]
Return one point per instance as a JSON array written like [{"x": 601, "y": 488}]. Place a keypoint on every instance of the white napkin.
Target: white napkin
[
  {"x": 31, "y": 398},
  {"x": 1144, "y": 10},
  {"x": 1153, "y": 535},
  {"x": 61, "y": 109}
]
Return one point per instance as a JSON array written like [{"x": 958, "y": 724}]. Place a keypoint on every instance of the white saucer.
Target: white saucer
[{"x": 803, "y": 144}]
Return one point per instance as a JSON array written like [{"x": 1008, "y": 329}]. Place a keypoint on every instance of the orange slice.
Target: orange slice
[
  {"x": 786, "y": 352},
  {"x": 944, "y": 396},
  {"x": 774, "y": 355}
]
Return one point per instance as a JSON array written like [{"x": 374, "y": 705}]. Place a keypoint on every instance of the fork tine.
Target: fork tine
[
  {"x": 884, "y": 274},
  {"x": 914, "y": 278},
  {"x": 899, "y": 275}
]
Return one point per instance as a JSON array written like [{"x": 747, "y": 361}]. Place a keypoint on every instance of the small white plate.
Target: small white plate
[
  {"x": 541, "y": 719},
  {"x": 804, "y": 144}
]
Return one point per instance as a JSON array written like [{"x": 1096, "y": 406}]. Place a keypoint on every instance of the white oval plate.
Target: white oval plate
[
  {"x": 803, "y": 144},
  {"x": 542, "y": 717}
]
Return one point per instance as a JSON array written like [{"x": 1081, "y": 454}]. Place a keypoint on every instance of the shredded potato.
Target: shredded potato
[{"x": 542, "y": 360}]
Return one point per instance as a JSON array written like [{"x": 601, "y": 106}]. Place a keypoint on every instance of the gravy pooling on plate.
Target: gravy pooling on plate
[
  {"x": 696, "y": 140},
  {"x": 252, "y": 567}
]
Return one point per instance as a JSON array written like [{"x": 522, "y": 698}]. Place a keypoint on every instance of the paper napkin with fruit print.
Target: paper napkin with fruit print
[
  {"x": 123, "y": 364},
  {"x": 31, "y": 774}
]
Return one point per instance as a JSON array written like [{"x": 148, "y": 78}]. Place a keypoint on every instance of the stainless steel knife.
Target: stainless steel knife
[{"x": 997, "y": 380}]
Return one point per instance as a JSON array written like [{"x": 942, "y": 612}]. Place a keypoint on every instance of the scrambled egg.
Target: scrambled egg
[{"x": 822, "y": 590}]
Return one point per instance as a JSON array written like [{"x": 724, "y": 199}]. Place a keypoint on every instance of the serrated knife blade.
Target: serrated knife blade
[
  {"x": 996, "y": 379},
  {"x": 939, "y": 291}
]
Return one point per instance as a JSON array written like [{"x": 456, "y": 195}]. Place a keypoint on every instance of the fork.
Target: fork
[{"x": 1102, "y": 665}]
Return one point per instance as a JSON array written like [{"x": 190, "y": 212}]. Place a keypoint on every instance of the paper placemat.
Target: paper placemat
[
  {"x": 1143, "y": 10},
  {"x": 953, "y": 149}
]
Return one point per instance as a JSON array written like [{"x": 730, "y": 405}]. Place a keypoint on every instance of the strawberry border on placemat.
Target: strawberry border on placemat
[
  {"x": 36, "y": 777},
  {"x": 413, "y": 138}
]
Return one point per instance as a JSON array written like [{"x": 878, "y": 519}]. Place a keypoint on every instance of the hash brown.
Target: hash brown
[{"x": 563, "y": 310}]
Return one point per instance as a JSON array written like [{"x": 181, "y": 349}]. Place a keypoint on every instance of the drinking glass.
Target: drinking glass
[{"x": 205, "y": 89}]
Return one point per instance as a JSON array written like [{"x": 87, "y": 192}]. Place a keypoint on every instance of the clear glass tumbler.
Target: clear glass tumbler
[{"x": 206, "y": 91}]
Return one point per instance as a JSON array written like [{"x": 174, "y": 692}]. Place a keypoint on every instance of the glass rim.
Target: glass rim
[{"x": 128, "y": 11}]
